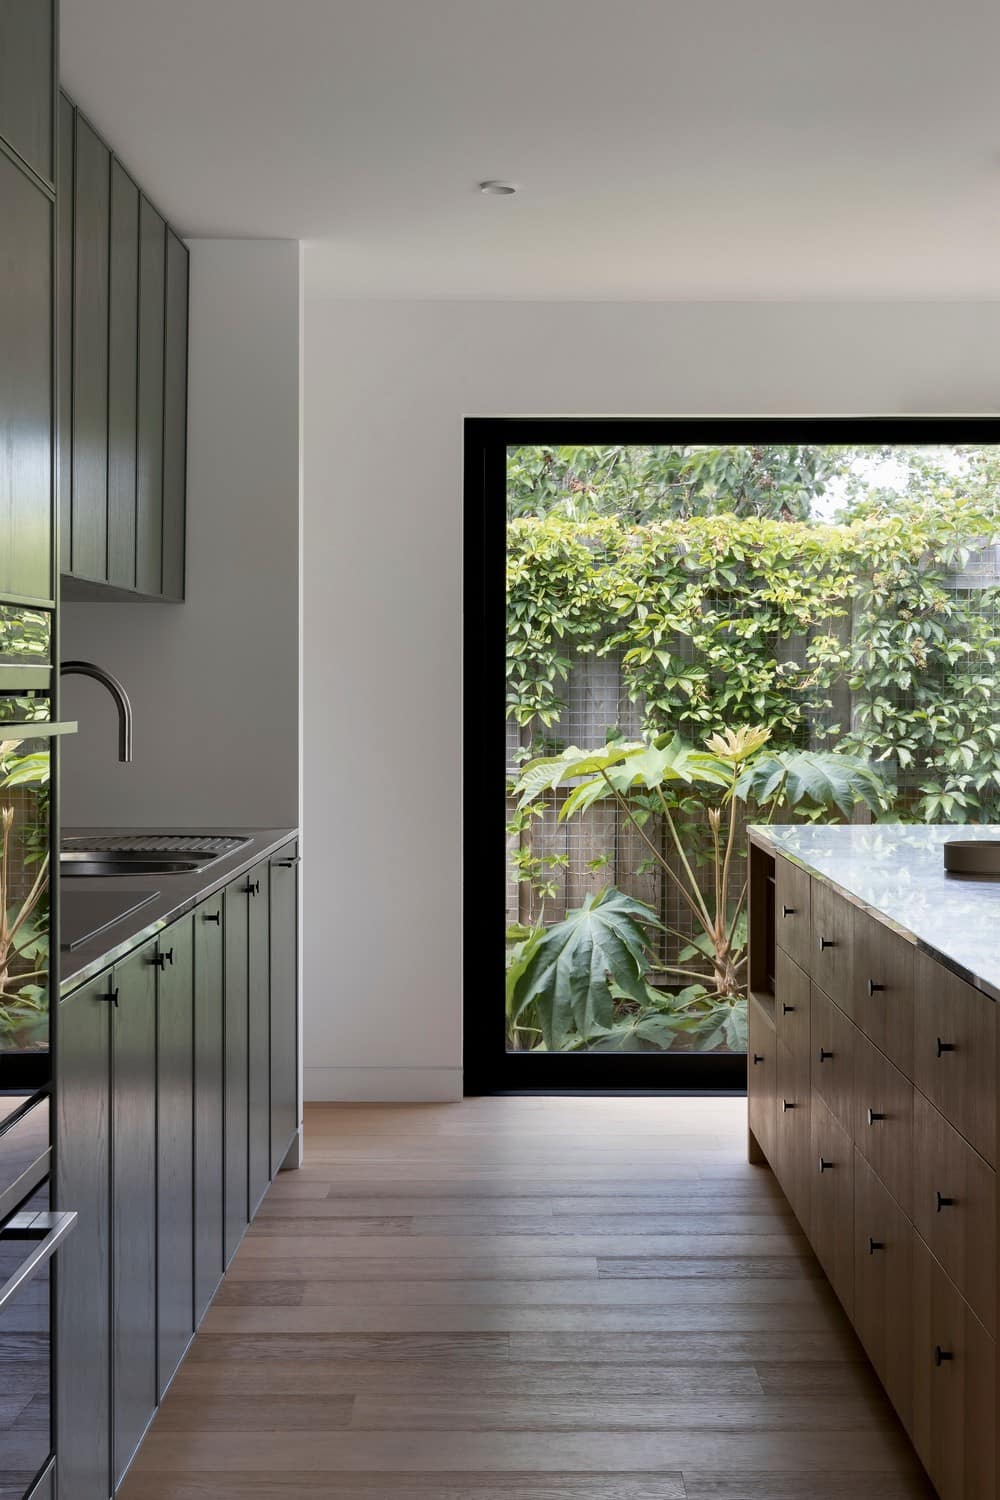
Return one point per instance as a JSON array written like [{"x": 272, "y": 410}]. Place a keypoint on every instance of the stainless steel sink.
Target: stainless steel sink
[{"x": 79, "y": 862}]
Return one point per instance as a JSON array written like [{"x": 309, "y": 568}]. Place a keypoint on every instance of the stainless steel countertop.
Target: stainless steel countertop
[{"x": 178, "y": 893}]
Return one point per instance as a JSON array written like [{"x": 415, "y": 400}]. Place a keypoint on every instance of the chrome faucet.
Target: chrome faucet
[{"x": 118, "y": 693}]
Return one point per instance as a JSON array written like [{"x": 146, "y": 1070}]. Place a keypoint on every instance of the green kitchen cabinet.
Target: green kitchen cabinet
[
  {"x": 209, "y": 1064},
  {"x": 27, "y": 81},
  {"x": 123, "y": 324},
  {"x": 236, "y": 1185},
  {"x": 89, "y": 480},
  {"x": 283, "y": 877},
  {"x": 174, "y": 1146},
  {"x": 83, "y": 1182},
  {"x": 258, "y": 1036},
  {"x": 26, "y": 302},
  {"x": 175, "y": 358}
]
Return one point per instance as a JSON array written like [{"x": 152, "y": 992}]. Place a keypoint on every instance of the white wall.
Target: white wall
[
  {"x": 386, "y": 386},
  {"x": 214, "y": 681}
]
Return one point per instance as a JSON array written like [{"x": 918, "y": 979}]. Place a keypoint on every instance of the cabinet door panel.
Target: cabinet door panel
[
  {"x": 955, "y": 1207},
  {"x": 883, "y": 1120},
  {"x": 134, "y": 1202},
  {"x": 25, "y": 387},
  {"x": 761, "y": 1078},
  {"x": 259, "y": 1038},
  {"x": 791, "y": 1144},
  {"x": 175, "y": 416},
  {"x": 27, "y": 79},
  {"x": 832, "y": 1049},
  {"x": 92, "y": 185},
  {"x": 954, "y": 1387},
  {"x": 831, "y": 1227},
  {"x": 792, "y": 888},
  {"x": 883, "y": 1286},
  {"x": 791, "y": 1004},
  {"x": 955, "y": 1042},
  {"x": 149, "y": 474},
  {"x": 82, "y": 1182},
  {"x": 236, "y": 1184},
  {"x": 832, "y": 941},
  {"x": 64, "y": 363},
  {"x": 883, "y": 989},
  {"x": 208, "y": 1122},
  {"x": 175, "y": 1147},
  {"x": 122, "y": 354}
]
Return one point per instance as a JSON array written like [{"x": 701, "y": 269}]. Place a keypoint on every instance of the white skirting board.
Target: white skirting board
[{"x": 382, "y": 1085}]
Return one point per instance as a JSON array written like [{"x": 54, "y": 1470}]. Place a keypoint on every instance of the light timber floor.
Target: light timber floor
[{"x": 526, "y": 1299}]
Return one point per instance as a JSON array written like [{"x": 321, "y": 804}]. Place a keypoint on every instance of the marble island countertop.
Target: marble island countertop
[{"x": 896, "y": 871}]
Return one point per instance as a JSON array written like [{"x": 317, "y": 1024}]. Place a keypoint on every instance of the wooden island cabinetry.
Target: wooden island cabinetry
[{"x": 872, "y": 1079}]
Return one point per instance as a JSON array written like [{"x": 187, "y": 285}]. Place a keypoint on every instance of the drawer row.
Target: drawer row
[
  {"x": 831, "y": 1072},
  {"x": 938, "y": 1031}
]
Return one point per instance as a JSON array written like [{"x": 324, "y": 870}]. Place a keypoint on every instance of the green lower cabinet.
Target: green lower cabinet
[
  {"x": 235, "y": 1196},
  {"x": 284, "y": 878},
  {"x": 258, "y": 1037},
  {"x": 209, "y": 1050},
  {"x": 174, "y": 1147}
]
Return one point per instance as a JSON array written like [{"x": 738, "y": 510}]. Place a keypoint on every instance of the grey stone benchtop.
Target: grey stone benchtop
[
  {"x": 896, "y": 872},
  {"x": 175, "y": 894}
]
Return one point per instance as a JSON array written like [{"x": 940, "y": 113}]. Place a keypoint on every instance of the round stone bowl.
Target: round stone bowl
[{"x": 972, "y": 856}]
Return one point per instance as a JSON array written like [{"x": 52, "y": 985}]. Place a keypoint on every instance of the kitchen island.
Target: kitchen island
[{"x": 873, "y": 1069}]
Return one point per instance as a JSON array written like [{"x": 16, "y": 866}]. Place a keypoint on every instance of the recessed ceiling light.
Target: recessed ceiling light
[{"x": 495, "y": 189}]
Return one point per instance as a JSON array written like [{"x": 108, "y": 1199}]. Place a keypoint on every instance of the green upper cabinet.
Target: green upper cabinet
[
  {"x": 122, "y": 362},
  {"x": 25, "y": 386},
  {"x": 27, "y": 74}
]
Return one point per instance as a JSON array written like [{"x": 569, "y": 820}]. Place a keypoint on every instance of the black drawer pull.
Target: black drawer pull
[
  {"x": 758, "y": 1057},
  {"x": 162, "y": 959},
  {"x": 786, "y": 1010},
  {"x": 944, "y": 1202},
  {"x": 826, "y": 943},
  {"x": 943, "y": 1047},
  {"x": 788, "y": 911},
  {"x": 941, "y": 1355},
  {"x": 874, "y": 1245},
  {"x": 824, "y": 1054},
  {"x": 287, "y": 864},
  {"x": 873, "y": 988},
  {"x": 212, "y": 916},
  {"x": 252, "y": 888},
  {"x": 825, "y": 1165},
  {"x": 111, "y": 997},
  {"x": 787, "y": 1104},
  {"x": 874, "y": 1115}
]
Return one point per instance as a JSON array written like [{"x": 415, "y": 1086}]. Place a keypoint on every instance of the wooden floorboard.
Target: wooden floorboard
[{"x": 526, "y": 1299}]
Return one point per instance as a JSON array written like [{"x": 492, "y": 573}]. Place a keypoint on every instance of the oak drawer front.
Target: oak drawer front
[
  {"x": 791, "y": 1004},
  {"x": 792, "y": 891},
  {"x": 954, "y": 1208},
  {"x": 883, "y": 1286},
  {"x": 882, "y": 989},
  {"x": 954, "y": 1052},
  {"x": 832, "y": 940},
  {"x": 832, "y": 1054},
  {"x": 831, "y": 1207},
  {"x": 762, "y": 1076},
  {"x": 954, "y": 1386},
  {"x": 883, "y": 1120},
  {"x": 792, "y": 1154}
]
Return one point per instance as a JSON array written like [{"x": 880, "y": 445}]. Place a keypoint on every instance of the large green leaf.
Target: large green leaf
[
  {"x": 822, "y": 778},
  {"x": 567, "y": 973}
]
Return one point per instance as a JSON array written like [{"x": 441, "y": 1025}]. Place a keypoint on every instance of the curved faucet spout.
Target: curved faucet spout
[{"x": 118, "y": 693}]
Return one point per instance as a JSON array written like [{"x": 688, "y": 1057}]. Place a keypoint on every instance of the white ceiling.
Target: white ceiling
[{"x": 664, "y": 148}]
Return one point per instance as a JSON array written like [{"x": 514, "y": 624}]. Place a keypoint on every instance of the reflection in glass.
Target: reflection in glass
[{"x": 24, "y": 895}]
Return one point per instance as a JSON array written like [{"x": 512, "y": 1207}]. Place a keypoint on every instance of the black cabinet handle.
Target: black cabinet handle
[
  {"x": 252, "y": 888},
  {"x": 824, "y": 1054},
  {"x": 758, "y": 1057},
  {"x": 786, "y": 1010},
  {"x": 825, "y": 1165},
  {"x": 111, "y": 997},
  {"x": 788, "y": 911},
  {"x": 787, "y": 1104},
  {"x": 944, "y": 1202},
  {"x": 874, "y": 1115},
  {"x": 212, "y": 916},
  {"x": 826, "y": 943},
  {"x": 873, "y": 988},
  {"x": 874, "y": 1245},
  {"x": 941, "y": 1355},
  {"x": 162, "y": 959},
  {"x": 943, "y": 1047},
  {"x": 287, "y": 864}
]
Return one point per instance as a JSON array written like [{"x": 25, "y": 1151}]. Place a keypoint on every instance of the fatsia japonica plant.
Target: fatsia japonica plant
[{"x": 573, "y": 979}]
